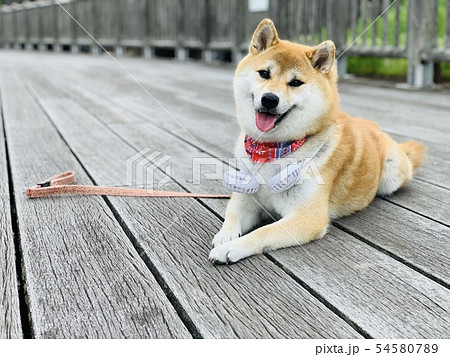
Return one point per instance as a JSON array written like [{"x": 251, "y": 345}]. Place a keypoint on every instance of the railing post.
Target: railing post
[
  {"x": 28, "y": 6},
  {"x": 41, "y": 45},
  {"x": 57, "y": 46},
  {"x": 118, "y": 48},
  {"x": 95, "y": 48},
  {"x": 16, "y": 25},
  {"x": 419, "y": 40},
  {"x": 181, "y": 52},
  {"x": 337, "y": 23},
  {"x": 239, "y": 11},
  {"x": 207, "y": 52}
]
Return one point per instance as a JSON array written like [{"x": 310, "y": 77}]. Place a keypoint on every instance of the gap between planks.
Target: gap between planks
[
  {"x": 13, "y": 308},
  {"x": 403, "y": 206},
  {"x": 227, "y": 271}
]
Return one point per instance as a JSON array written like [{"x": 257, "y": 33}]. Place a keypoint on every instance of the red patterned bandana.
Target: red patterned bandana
[{"x": 267, "y": 152}]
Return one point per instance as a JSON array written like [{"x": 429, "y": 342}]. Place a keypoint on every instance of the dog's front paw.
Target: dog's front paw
[
  {"x": 225, "y": 235},
  {"x": 229, "y": 253}
]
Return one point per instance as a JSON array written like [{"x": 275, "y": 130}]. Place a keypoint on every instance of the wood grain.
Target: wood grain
[
  {"x": 436, "y": 170},
  {"x": 382, "y": 295},
  {"x": 10, "y": 324},
  {"x": 379, "y": 295},
  {"x": 416, "y": 239},
  {"x": 428, "y": 200},
  {"x": 84, "y": 277},
  {"x": 175, "y": 236},
  {"x": 371, "y": 296}
]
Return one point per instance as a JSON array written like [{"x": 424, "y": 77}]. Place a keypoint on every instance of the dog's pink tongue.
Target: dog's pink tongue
[{"x": 265, "y": 121}]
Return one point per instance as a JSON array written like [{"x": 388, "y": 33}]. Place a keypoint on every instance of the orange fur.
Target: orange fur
[
  {"x": 415, "y": 152},
  {"x": 358, "y": 161}
]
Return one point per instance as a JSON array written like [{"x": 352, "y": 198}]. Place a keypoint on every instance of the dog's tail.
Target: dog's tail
[{"x": 415, "y": 152}]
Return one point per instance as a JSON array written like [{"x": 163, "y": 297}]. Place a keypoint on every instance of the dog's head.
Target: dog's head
[{"x": 285, "y": 91}]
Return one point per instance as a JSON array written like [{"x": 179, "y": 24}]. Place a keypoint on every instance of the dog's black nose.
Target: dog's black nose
[{"x": 269, "y": 100}]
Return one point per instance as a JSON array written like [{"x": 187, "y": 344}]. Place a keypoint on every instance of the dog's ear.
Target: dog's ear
[
  {"x": 322, "y": 56},
  {"x": 264, "y": 37}
]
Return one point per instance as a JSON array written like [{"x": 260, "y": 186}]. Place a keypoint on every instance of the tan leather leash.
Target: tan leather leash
[{"x": 61, "y": 184}]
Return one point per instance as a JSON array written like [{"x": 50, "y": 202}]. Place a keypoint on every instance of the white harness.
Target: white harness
[{"x": 245, "y": 182}]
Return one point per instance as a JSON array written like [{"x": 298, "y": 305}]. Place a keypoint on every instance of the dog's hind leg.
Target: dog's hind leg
[{"x": 400, "y": 163}]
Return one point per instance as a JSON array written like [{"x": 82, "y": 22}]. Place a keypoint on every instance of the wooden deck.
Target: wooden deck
[{"x": 137, "y": 267}]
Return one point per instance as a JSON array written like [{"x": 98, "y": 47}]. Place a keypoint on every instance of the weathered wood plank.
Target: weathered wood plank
[
  {"x": 10, "y": 324},
  {"x": 426, "y": 199},
  {"x": 435, "y": 171},
  {"x": 399, "y": 116},
  {"x": 180, "y": 123},
  {"x": 189, "y": 96},
  {"x": 217, "y": 94},
  {"x": 84, "y": 277},
  {"x": 426, "y": 112},
  {"x": 175, "y": 234},
  {"x": 447, "y": 26},
  {"x": 386, "y": 287},
  {"x": 385, "y": 5},
  {"x": 415, "y": 239},
  {"x": 437, "y": 153},
  {"x": 385, "y": 298},
  {"x": 397, "y": 124},
  {"x": 397, "y": 25}
]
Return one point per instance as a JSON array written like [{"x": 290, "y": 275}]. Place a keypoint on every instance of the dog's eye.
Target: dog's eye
[
  {"x": 296, "y": 83},
  {"x": 264, "y": 74}
]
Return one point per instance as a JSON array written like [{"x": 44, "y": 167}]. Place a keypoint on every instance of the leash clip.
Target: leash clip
[{"x": 44, "y": 184}]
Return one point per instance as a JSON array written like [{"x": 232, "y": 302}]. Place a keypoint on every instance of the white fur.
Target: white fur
[
  {"x": 247, "y": 210},
  {"x": 392, "y": 178},
  {"x": 305, "y": 105}
]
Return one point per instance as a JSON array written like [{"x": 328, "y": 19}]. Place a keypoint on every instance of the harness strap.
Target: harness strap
[{"x": 61, "y": 184}]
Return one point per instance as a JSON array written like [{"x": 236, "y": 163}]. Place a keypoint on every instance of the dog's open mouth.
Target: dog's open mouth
[{"x": 266, "y": 121}]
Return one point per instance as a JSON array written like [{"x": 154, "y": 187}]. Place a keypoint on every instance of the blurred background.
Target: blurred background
[{"x": 408, "y": 42}]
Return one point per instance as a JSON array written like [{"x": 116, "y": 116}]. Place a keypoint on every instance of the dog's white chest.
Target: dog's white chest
[{"x": 285, "y": 202}]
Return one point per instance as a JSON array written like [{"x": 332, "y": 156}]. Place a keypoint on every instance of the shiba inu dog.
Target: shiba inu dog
[{"x": 288, "y": 108}]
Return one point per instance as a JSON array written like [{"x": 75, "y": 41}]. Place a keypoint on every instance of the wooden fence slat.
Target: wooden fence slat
[
  {"x": 215, "y": 25},
  {"x": 195, "y": 12},
  {"x": 419, "y": 41},
  {"x": 364, "y": 6},
  {"x": 385, "y": 5},
  {"x": 397, "y": 23},
  {"x": 132, "y": 22},
  {"x": 163, "y": 27},
  {"x": 354, "y": 6},
  {"x": 447, "y": 26},
  {"x": 33, "y": 24},
  {"x": 21, "y": 23},
  {"x": 65, "y": 25},
  {"x": 2, "y": 28},
  {"x": 83, "y": 12},
  {"x": 374, "y": 14},
  {"x": 108, "y": 22}
]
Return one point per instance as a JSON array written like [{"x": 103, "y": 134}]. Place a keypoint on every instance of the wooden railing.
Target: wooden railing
[{"x": 221, "y": 29}]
